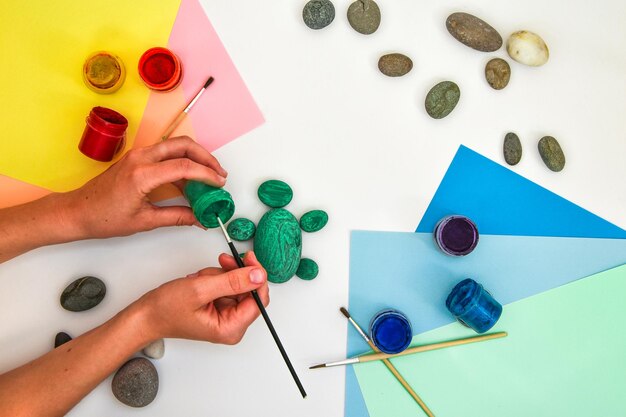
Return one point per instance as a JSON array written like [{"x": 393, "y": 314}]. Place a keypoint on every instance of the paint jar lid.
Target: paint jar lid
[
  {"x": 103, "y": 73},
  {"x": 456, "y": 235},
  {"x": 207, "y": 201},
  {"x": 160, "y": 69}
]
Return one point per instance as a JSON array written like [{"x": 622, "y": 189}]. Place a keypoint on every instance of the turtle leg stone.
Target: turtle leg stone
[{"x": 307, "y": 270}]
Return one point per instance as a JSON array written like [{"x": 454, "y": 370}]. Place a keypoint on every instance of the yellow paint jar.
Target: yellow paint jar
[{"x": 103, "y": 72}]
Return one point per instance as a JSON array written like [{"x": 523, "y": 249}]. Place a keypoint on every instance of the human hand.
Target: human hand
[
  {"x": 115, "y": 203},
  {"x": 214, "y": 304}
]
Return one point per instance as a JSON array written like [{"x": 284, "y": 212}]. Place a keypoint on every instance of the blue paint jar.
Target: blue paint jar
[
  {"x": 390, "y": 331},
  {"x": 473, "y": 306}
]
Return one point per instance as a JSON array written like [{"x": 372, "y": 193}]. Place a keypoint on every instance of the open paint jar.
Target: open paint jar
[
  {"x": 473, "y": 306},
  {"x": 160, "y": 69},
  {"x": 390, "y": 331},
  {"x": 207, "y": 201},
  {"x": 456, "y": 235},
  {"x": 103, "y": 72},
  {"x": 104, "y": 135}
]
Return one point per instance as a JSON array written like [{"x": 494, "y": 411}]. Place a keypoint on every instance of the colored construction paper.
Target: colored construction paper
[
  {"x": 227, "y": 109},
  {"x": 45, "y": 102},
  {"x": 14, "y": 192},
  {"x": 564, "y": 356},
  {"x": 503, "y": 202}
]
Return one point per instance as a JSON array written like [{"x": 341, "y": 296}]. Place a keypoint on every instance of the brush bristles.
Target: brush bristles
[
  {"x": 344, "y": 312},
  {"x": 208, "y": 82},
  {"x": 321, "y": 365}
]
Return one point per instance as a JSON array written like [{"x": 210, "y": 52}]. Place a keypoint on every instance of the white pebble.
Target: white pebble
[
  {"x": 527, "y": 48},
  {"x": 155, "y": 350}
]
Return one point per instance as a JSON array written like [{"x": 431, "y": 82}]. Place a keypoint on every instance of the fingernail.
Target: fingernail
[
  {"x": 223, "y": 172},
  {"x": 195, "y": 274},
  {"x": 221, "y": 180},
  {"x": 257, "y": 276}
]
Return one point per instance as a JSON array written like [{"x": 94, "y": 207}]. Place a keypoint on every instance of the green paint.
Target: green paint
[
  {"x": 313, "y": 220},
  {"x": 278, "y": 244},
  {"x": 307, "y": 269},
  {"x": 564, "y": 356},
  {"x": 275, "y": 193},
  {"x": 207, "y": 201},
  {"x": 241, "y": 229},
  {"x": 442, "y": 99}
]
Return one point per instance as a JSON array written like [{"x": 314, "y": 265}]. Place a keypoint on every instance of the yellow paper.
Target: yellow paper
[{"x": 44, "y": 101}]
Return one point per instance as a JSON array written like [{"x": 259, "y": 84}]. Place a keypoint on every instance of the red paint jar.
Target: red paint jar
[
  {"x": 105, "y": 134},
  {"x": 160, "y": 69}
]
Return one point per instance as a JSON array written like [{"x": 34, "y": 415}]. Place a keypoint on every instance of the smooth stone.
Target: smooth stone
[
  {"x": 442, "y": 99},
  {"x": 473, "y": 32},
  {"x": 313, "y": 220},
  {"x": 278, "y": 244},
  {"x": 307, "y": 270},
  {"x": 136, "y": 383},
  {"x": 318, "y": 14},
  {"x": 155, "y": 350},
  {"x": 512, "y": 149},
  {"x": 275, "y": 193},
  {"x": 241, "y": 229},
  {"x": 61, "y": 338},
  {"x": 83, "y": 294},
  {"x": 498, "y": 73},
  {"x": 551, "y": 153},
  {"x": 395, "y": 65},
  {"x": 527, "y": 48},
  {"x": 364, "y": 16}
]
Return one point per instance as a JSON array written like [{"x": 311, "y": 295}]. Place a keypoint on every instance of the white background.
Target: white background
[{"x": 358, "y": 145}]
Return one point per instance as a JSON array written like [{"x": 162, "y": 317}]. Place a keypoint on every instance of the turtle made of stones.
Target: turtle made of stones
[{"x": 278, "y": 236}]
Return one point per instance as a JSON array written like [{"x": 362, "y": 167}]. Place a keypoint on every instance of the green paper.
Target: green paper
[{"x": 565, "y": 356}]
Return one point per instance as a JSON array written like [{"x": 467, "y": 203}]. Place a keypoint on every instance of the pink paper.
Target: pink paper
[{"x": 226, "y": 109}]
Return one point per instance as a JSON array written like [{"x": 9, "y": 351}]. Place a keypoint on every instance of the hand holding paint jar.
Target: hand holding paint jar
[{"x": 390, "y": 331}]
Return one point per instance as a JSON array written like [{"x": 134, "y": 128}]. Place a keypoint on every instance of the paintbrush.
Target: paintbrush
[
  {"x": 255, "y": 295},
  {"x": 410, "y": 351},
  {"x": 184, "y": 113},
  {"x": 389, "y": 365}
]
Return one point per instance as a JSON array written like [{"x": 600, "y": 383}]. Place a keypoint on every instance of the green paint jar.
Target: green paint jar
[{"x": 207, "y": 201}]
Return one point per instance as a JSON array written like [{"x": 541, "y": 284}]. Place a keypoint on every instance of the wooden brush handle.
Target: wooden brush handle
[{"x": 173, "y": 126}]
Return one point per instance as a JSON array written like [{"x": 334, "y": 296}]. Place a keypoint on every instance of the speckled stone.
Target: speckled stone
[
  {"x": 498, "y": 73},
  {"x": 61, "y": 338},
  {"x": 512, "y": 149},
  {"x": 527, "y": 48},
  {"x": 473, "y": 32},
  {"x": 278, "y": 244},
  {"x": 364, "y": 16},
  {"x": 136, "y": 383},
  {"x": 307, "y": 270},
  {"x": 275, "y": 194},
  {"x": 313, "y": 220},
  {"x": 241, "y": 229},
  {"x": 442, "y": 99},
  {"x": 83, "y": 294},
  {"x": 155, "y": 350},
  {"x": 395, "y": 65},
  {"x": 551, "y": 153},
  {"x": 318, "y": 14}
]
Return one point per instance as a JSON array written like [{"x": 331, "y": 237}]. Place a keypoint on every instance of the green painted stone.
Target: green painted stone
[
  {"x": 241, "y": 229},
  {"x": 512, "y": 149},
  {"x": 307, "y": 270},
  {"x": 551, "y": 153},
  {"x": 278, "y": 244},
  {"x": 442, "y": 99},
  {"x": 275, "y": 193},
  {"x": 83, "y": 294},
  {"x": 207, "y": 201},
  {"x": 313, "y": 220}
]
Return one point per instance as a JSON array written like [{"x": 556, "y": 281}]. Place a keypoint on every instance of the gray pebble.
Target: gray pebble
[
  {"x": 498, "y": 73},
  {"x": 512, "y": 149},
  {"x": 442, "y": 99},
  {"x": 155, "y": 350},
  {"x": 364, "y": 16},
  {"x": 551, "y": 153},
  {"x": 136, "y": 383},
  {"x": 473, "y": 32},
  {"x": 318, "y": 14},
  {"x": 61, "y": 338},
  {"x": 395, "y": 65},
  {"x": 83, "y": 294}
]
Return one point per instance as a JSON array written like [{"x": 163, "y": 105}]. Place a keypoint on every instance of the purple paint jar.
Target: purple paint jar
[{"x": 456, "y": 235}]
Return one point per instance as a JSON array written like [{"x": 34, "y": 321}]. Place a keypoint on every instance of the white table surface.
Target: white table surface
[{"x": 358, "y": 145}]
